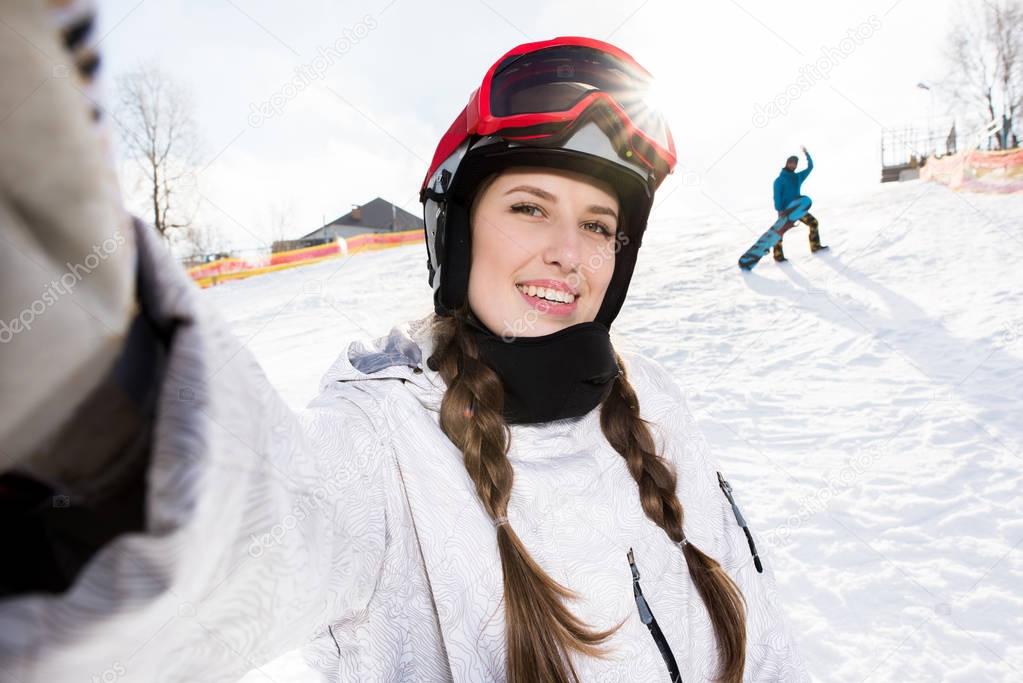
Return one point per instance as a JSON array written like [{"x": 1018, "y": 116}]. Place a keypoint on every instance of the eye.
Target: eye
[
  {"x": 528, "y": 210},
  {"x": 599, "y": 228}
]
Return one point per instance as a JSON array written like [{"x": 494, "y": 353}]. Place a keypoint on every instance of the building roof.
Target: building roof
[{"x": 378, "y": 215}]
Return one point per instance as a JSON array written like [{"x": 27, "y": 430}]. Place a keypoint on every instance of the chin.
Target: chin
[{"x": 552, "y": 325}]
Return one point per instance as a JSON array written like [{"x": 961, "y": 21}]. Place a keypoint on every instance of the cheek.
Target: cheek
[
  {"x": 488, "y": 257},
  {"x": 601, "y": 266},
  {"x": 497, "y": 255}
]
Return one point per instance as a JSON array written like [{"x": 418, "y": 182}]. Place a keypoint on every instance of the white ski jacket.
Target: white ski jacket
[{"x": 353, "y": 531}]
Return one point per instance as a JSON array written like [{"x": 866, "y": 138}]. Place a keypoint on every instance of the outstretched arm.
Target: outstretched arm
[{"x": 215, "y": 528}]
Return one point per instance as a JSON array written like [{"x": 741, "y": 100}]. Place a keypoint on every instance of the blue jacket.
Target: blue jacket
[{"x": 787, "y": 184}]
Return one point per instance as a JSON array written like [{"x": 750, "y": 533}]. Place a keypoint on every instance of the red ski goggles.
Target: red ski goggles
[{"x": 538, "y": 91}]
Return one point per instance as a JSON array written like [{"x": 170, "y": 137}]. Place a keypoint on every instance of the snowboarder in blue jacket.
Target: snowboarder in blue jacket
[{"x": 786, "y": 188}]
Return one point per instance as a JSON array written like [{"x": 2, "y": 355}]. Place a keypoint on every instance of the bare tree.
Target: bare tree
[
  {"x": 280, "y": 223},
  {"x": 159, "y": 133},
  {"x": 280, "y": 219},
  {"x": 985, "y": 55},
  {"x": 199, "y": 240}
]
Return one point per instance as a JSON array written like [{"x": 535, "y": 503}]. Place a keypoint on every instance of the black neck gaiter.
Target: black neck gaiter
[{"x": 553, "y": 377}]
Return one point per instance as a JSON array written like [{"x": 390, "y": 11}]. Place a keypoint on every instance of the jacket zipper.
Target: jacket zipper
[
  {"x": 727, "y": 488},
  {"x": 647, "y": 617}
]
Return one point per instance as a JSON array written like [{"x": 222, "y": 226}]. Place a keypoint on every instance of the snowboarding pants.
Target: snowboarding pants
[{"x": 815, "y": 236}]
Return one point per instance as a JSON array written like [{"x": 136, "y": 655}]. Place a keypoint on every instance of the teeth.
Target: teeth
[{"x": 548, "y": 293}]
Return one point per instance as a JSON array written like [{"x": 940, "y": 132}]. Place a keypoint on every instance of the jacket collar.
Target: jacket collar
[{"x": 400, "y": 354}]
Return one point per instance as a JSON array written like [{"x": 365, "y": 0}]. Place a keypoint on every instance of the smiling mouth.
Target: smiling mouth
[{"x": 556, "y": 296}]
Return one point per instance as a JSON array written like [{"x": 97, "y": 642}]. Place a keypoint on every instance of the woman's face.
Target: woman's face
[{"x": 543, "y": 250}]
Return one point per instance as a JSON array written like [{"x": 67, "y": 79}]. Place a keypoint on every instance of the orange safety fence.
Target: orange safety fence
[
  {"x": 382, "y": 240},
  {"x": 307, "y": 253},
  {"x": 225, "y": 269},
  {"x": 978, "y": 171}
]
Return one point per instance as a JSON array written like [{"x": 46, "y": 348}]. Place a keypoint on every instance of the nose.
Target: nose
[{"x": 564, "y": 247}]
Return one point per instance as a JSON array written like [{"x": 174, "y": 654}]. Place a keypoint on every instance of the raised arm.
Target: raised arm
[{"x": 809, "y": 165}]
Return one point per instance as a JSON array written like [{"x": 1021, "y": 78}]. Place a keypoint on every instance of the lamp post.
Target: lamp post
[{"x": 930, "y": 108}]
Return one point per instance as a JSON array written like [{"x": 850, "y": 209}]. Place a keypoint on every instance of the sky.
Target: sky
[{"x": 307, "y": 108}]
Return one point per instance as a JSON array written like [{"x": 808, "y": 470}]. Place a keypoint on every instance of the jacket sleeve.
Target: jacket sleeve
[
  {"x": 258, "y": 524},
  {"x": 809, "y": 167},
  {"x": 262, "y": 525},
  {"x": 777, "y": 194}
]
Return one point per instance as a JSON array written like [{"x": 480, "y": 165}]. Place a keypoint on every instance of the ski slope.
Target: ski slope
[{"x": 866, "y": 404}]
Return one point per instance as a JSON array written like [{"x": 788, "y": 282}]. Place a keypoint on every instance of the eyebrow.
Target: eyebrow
[{"x": 544, "y": 194}]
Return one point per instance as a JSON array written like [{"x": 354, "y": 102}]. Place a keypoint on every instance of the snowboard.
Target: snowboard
[{"x": 796, "y": 209}]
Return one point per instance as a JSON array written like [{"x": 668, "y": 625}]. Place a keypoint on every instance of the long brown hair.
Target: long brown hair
[{"x": 540, "y": 629}]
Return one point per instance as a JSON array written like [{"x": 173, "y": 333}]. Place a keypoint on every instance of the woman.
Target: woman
[{"x": 489, "y": 493}]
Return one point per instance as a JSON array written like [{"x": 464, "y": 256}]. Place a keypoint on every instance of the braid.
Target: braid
[
  {"x": 630, "y": 435},
  {"x": 540, "y": 629}
]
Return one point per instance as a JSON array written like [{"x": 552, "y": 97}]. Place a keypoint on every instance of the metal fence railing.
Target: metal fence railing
[{"x": 908, "y": 146}]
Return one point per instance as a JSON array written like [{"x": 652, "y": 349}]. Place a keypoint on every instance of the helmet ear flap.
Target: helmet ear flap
[{"x": 454, "y": 244}]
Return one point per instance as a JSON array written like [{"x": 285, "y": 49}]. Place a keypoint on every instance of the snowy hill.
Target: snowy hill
[{"x": 866, "y": 403}]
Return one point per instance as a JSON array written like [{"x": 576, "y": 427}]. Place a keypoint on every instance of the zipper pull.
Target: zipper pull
[
  {"x": 645, "y": 615},
  {"x": 727, "y": 489}
]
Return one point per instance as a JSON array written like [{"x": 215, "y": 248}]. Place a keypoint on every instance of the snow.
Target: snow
[{"x": 864, "y": 402}]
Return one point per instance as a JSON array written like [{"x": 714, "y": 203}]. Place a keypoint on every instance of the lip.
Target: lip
[{"x": 554, "y": 308}]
